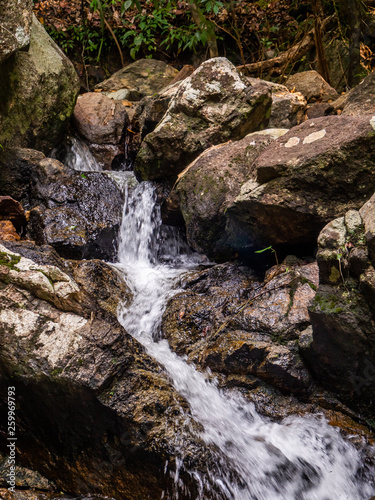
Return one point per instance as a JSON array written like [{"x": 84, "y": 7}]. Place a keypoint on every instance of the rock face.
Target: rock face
[
  {"x": 312, "y": 174},
  {"x": 78, "y": 214},
  {"x": 213, "y": 105},
  {"x": 101, "y": 122},
  {"x": 312, "y": 86},
  {"x": 38, "y": 88},
  {"x": 229, "y": 322},
  {"x": 16, "y": 167},
  {"x": 360, "y": 99},
  {"x": 95, "y": 414},
  {"x": 15, "y": 26},
  {"x": 341, "y": 349},
  {"x": 211, "y": 183},
  {"x": 145, "y": 76}
]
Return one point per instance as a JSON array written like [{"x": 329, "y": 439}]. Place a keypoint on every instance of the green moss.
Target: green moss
[
  {"x": 329, "y": 304},
  {"x": 334, "y": 276},
  {"x": 9, "y": 260},
  {"x": 56, "y": 371}
]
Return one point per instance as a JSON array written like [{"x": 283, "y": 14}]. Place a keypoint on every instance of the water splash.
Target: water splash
[{"x": 301, "y": 458}]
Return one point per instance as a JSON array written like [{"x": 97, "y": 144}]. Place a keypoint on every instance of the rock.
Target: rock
[
  {"x": 227, "y": 321},
  {"x": 314, "y": 173},
  {"x": 146, "y": 76},
  {"x": 210, "y": 184},
  {"x": 184, "y": 72},
  {"x": 288, "y": 108},
  {"x": 38, "y": 88},
  {"x": 8, "y": 231},
  {"x": 15, "y": 26},
  {"x": 342, "y": 351},
  {"x": 318, "y": 109},
  {"x": 95, "y": 414},
  {"x": 101, "y": 122},
  {"x": 78, "y": 214},
  {"x": 360, "y": 99},
  {"x": 213, "y": 105},
  {"x": 16, "y": 167},
  {"x": 312, "y": 86},
  {"x": 24, "y": 478},
  {"x": 13, "y": 211}
]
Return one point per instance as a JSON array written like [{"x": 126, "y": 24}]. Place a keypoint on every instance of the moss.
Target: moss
[
  {"x": 311, "y": 285},
  {"x": 334, "y": 276},
  {"x": 9, "y": 260},
  {"x": 329, "y": 304},
  {"x": 56, "y": 371}
]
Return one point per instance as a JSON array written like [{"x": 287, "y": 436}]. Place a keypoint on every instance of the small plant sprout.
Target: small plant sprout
[{"x": 272, "y": 250}]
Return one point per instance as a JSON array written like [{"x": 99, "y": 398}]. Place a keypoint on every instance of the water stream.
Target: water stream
[{"x": 300, "y": 458}]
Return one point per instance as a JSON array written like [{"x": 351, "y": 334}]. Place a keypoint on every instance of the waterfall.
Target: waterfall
[{"x": 300, "y": 458}]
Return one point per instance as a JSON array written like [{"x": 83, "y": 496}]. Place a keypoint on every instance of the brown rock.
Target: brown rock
[
  {"x": 312, "y": 86},
  {"x": 8, "y": 231},
  {"x": 13, "y": 211}
]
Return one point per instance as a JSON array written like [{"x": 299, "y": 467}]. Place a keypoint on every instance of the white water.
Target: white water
[{"x": 299, "y": 459}]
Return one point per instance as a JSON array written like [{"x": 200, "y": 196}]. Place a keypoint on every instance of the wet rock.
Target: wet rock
[
  {"x": 13, "y": 211},
  {"x": 312, "y": 86},
  {"x": 146, "y": 76},
  {"x": 342, "y": 351},
  {"x": 360, "y": 99},
  {"x": 210, "y": 184},
  {"x": 314, "y": 173},
  {"x": 229, "y": 322},
  {"x": 38, "y": 88},
  {"x": 101, "y": 122},
  {"x": 16, "y": 166},
  {"x": 213, "y": 105},
  {"x": 95, "y": 414},
  {"x": 24, "y": 478},
  {"x": 15, "y": 26},
  {"x": 78, "y": 214}
]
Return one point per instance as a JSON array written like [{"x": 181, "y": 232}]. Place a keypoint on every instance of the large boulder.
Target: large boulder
[
  {"x": 227, "y": 321},
  {"x": 15, "y": 26},
  {"x": 341, "y": 348},
  {"x": 95, "y": 414},
  {"x": 101, "y": 122},
  {"x": 39, "y": 89},
  {"x": 146, "y": 76},
  {"x": 213, "y": 105},
  {"x": 78, "y": 214},
  {"x": 304, "y": 179},
  {"x": 312, "y": 86},
  {"x": 210, "y": 184}
]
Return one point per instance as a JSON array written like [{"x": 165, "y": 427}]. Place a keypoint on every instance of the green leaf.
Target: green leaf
[
  {"x": 83, "y": 176},
  {"x": 127, "y": 4},
  {"x": 264, "y": 249},
  {"x": 133, "y": 52}
]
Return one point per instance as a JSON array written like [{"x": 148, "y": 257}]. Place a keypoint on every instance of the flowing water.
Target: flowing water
[{"x": 301, "y": 458}]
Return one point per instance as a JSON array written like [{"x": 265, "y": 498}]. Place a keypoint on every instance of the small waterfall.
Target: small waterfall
[
  {"x": 77, "y": 155},
  {"x": 301, "y": 458}
]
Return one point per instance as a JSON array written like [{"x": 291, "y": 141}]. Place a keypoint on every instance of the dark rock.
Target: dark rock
[
  {"x": 227, "y": 321},
  {"x": 312, "y": 174},
  {"x": 16, "y": 166},
  {"x": 319, "y": 109},
  {"x": 13, "y": 211},
  {"x": 213, "y": 105},
  {"x": 78, "y": 214},
  {"x": 312, "y": 86},
  {"x": 38, "y": 88}
]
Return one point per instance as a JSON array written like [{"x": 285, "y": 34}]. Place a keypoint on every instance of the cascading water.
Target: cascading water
[{"x": 300, "y": 458}]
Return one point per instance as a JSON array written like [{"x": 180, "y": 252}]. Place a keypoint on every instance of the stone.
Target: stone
[
  {"x": 360, "y": 99},
  {"x": 215, "y": 104},
  {"x": 13, "y": 211},
  {"x": 312, "y": 86},
  {"x": 101, "y": 122},
  {"x": 78, "y": 214},
  {"x": 210, "y": 184},
  {"x": 319, "y": 109},
  {"x": 8, "y": 231},
  {"x": 124, "y": 415},
  {"x": 39, "y": 89},
  {"x": 16, "y": 167},
  {"x": 146, "y": 76},
  {"x": 226, "y": 320},
  {"x": 15, "y": 26},
  {"x": 342, "y": 351},
  {"x": 309, "y": 176},
  {"x": 288, "y": 109}
]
